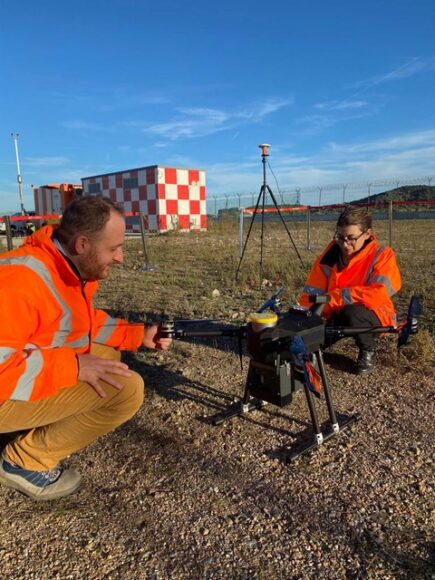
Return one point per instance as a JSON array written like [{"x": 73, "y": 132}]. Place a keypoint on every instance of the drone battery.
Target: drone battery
[{"x": 274, "y": 384}]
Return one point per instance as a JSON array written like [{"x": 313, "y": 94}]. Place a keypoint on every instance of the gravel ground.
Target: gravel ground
[{"x": 168, "y": 495}]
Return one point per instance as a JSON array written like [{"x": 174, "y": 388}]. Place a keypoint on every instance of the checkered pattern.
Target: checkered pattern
[{"x": 168, "y": 198}]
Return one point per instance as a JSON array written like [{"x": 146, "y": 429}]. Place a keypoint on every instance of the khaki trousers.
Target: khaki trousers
[{"x": 58, "y": 426}]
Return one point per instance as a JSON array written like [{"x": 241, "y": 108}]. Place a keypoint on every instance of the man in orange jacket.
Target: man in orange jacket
[
  {"x": 62, "y": 383},
  {"x": 360, "y": 276}
]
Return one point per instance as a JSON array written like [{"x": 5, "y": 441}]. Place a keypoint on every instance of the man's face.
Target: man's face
[
  {"x": 104, "y": 250},
  {"x": 351, "y": 239}
]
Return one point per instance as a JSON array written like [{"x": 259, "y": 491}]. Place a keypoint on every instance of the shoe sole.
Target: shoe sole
[
  {"x": 38, "y": 497},
  {"x": 364, "y": 372}
]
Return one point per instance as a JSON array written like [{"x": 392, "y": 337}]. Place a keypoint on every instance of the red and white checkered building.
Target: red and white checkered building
[{"x": 168, "y": 197}]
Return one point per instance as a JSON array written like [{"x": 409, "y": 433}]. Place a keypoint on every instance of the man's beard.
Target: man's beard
[{"x": 90, "y": 269}]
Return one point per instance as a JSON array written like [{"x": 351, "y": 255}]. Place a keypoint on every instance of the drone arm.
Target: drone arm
[
  {"x": 342, "y": 331},
  {"x": 205, "y": 333},
  {"x": 179, "y": 331}
]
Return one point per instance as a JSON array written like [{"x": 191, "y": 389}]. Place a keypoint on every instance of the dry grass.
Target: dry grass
[{"x": 190, "y": 266}]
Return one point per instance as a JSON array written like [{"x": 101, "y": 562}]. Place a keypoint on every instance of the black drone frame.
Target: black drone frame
[{"x": 273, "y": 377}]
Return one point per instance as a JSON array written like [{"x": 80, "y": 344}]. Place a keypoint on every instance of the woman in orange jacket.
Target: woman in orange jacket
[
  {"x": 360, "y": 276},
  {"x": 62, "y": 383}
]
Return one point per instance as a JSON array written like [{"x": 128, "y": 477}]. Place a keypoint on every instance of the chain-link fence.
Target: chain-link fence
[{"x": 322, "y": 195}]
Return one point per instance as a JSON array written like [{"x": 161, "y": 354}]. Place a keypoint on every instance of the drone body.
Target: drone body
[{"x": 285, "y": 356}]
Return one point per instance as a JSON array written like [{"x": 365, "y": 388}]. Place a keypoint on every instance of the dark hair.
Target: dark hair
[
  {"x": 355, "y": 216},
  {"x": 86, "y": 215}
]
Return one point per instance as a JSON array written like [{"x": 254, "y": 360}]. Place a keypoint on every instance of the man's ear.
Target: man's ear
[{"x": 81, "y": 245}]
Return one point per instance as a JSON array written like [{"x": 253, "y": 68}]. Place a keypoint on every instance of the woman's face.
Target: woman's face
[{"x": 351, "y": 239}]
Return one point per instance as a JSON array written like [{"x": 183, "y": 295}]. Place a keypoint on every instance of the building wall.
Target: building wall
[
  {"x": 47, "y": 200},
  {"x": 50, "y": 199},
  {"x": 168, "y": 197}
]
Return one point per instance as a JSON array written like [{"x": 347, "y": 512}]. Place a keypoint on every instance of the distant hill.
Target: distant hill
[{"x": 404, "y": 193}]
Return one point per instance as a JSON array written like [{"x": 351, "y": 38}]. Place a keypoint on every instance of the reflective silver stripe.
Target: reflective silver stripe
[
  {"x": 106, "y": 330},
  {"x": 326, "y": 270},
  {"x": 41, "y": 270},
  {"x": 79, "y": 342},
  {"x": 345, "y": 293},
  {"x": 5, "y": 353},
  {"x": 373, "y": 262},
  {"x": 313, "y": 290},
  {"x": 383, "y": 280},
  {"x": 26, "y": 382}
]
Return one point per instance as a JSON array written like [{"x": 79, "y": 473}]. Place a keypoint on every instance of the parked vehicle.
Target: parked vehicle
[{"x": 18, "y": 228}]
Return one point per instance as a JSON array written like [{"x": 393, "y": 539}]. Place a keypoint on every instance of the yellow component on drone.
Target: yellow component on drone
[{"x": 260, "y": 320}]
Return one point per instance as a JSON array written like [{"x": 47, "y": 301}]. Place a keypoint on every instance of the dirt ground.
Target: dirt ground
[{"x": 169, "y": 495}]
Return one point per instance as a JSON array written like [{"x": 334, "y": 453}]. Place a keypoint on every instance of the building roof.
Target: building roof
[{"x": 141, "y": 169}]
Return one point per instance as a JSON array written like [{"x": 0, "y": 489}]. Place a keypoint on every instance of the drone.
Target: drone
[{"x": 286, "y": 356}]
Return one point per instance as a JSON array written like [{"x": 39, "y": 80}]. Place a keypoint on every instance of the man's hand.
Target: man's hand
[
  {"x": 93, "y": 368},
  {"x": 152, "y": 338}
]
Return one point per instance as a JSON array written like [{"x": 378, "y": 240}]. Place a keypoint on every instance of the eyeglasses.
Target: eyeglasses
[{"x": 352, "y": 240}]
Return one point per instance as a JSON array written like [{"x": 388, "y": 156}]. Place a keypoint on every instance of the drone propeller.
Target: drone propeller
[{"x": 411, "y": 324}]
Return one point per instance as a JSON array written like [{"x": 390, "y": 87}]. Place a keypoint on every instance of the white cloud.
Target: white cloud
[
  {"x": 317, "y": 123},
  {"x": 409, "y": 68},
  {"x": 78, "y": 124},
  {"x": 341, "y": 105},
  {"x": 200, "y": 121},
  {"x": 36, "y": 162},
  {"x": 403, "y": 141},
  {"x": 400, "y": 157}
]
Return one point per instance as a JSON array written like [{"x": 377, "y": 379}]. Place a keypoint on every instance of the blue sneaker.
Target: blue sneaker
[{"x": 39, "y": 485}]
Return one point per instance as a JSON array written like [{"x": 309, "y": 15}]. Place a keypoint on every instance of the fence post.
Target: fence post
[
  {"x": 8, "y": 232},
  {"x": 390, "y": 222},
  {"x": 241, "y": 231},
  {"x": 308, "y": 227},
  {"x": 146, "y": 267}
]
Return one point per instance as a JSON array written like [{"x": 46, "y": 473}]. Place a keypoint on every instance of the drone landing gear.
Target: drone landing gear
[{"x": 249, "y": 403}]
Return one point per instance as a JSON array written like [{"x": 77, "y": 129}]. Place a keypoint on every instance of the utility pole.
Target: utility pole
[{"x": 19, "y": 178}]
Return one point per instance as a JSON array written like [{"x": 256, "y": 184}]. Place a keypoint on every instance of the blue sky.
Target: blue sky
[{"x": 343, "y": 90}]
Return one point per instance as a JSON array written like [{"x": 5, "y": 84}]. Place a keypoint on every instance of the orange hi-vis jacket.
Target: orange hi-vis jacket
[
  {"x": 47, "y": 318},
  {"x": 370, "y": 279}
]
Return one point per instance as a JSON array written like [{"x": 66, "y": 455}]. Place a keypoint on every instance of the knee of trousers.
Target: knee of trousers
[{"x": 129, "y": 399}]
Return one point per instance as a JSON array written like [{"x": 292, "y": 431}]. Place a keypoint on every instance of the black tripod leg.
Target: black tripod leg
[
  {"x": 262, "y": 238},
  {"x": 260, "y": 196},
  {"x": 285, "y": 225}
]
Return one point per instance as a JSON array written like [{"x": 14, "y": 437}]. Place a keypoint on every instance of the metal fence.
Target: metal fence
[
  {"x": 314, "y": 195},
  {"x": 307, "y": 217}
]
